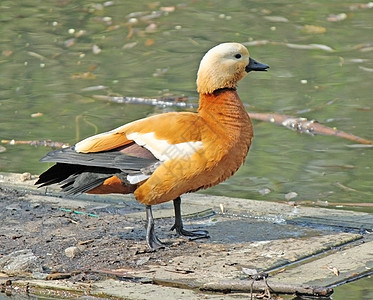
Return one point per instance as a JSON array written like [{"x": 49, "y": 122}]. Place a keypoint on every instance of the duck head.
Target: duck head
[{"x": 223, "y": 66}]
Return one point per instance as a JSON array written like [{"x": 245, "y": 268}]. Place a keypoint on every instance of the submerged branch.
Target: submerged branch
[
  {"x": 44, "y": 143},
  {"x": 164, "y": 101},
  {"x": 303, "y": 125},
  {"x": 298, "y": 124}
]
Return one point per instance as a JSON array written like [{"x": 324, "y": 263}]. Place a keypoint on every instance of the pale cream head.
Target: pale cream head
[{"x": 222, "y": 67}]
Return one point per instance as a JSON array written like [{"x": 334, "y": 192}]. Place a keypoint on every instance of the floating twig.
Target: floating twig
[
  {"x": 45, "y": 143},
  {"x": 304, "y": 125},
  {"x": 298, "y": 124},
  {"x": 164, "y": 102}
]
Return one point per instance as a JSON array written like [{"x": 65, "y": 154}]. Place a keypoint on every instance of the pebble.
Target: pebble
[
  {"x": 25, "y": 176},
  {"x": 96, "y": 49},
  {"x": 264, "y": 191},
  {"x": 72, "y": 251},
  {"x": 291, "y": 195}
]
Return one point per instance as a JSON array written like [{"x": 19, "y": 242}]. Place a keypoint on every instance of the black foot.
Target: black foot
[
  {"x": 178, "y": 226},
  {"x": 193, "y": 235},
  {"x": 151, "y": 239},
  {"x": 154, "y": 243}
]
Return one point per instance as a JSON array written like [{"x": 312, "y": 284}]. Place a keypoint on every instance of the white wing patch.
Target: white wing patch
[
  {"x": 161, "y": 149},
  {"x": 133, "y": 179}
]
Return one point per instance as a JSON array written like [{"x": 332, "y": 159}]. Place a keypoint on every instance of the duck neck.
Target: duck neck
[{"x": 224, "y": 110}]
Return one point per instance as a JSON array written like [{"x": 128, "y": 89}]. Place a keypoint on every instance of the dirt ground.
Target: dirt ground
[
  {"x": 97, "y": 245},
  {"x": 109, "y": 241}
]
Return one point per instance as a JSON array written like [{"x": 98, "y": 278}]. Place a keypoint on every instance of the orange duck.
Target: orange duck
[{"x": 162, "y": 157}]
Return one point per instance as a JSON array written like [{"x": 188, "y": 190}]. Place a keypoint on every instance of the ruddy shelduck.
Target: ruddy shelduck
[{"x": 161, "y": 157}]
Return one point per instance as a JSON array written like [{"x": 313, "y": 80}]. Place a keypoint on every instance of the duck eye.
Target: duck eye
[{"x": 238, "y": 56}]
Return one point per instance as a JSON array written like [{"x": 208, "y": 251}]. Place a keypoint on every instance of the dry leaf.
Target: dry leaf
[
  {"x": 149, "y": 42},
  {"x": 337, "y": 18},
  {"x": 7, "y": 53},
  {"x": 310, "y": 47},
  {"x": 151, "y": 28},
  {"x": 334, "y": 270},
  {"x": 168, "y": 8},
  {"x": 92, "y": 67},
  {"x": 313, "y": 29},
  {"x": 70, "y": 42},
  {"x": 129, "y": 45},
  {"x": 113, "y": 27},
  {"x": 85, "y": 75},
  {"x": 276, "y": 19},
  {"x": 36, "y": 115}
]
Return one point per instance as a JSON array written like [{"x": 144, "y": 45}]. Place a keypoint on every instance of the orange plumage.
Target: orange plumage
[{"x": 162, "y": 157}]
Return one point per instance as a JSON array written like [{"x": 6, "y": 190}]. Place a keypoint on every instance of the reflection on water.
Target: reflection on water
[
  {"x": 361, "y": 289},
  {"x": 54, "y": 52}
]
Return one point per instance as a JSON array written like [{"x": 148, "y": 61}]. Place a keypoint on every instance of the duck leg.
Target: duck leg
[
  {"x": 151, "y": 239},
  {"x": 178, "y": 226}
]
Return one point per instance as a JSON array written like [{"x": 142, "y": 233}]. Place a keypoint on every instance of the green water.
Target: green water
[
  {"x": 145, "y": 50},
  {"x": 52, "y": 51}
]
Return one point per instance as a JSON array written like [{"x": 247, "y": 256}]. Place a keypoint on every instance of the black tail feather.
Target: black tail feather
[
  {"x": 76, "y": 179},
  {"x": 81, "y": 172},
  {"x": 57, "y": 173}
]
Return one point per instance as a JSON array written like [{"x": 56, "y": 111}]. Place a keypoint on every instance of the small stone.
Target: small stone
[
  {"x": 264, "y": 191},
  {"x": 13, "y": 206},
  {"x": 72, "y": 251},
  {"x": 107, "y": 19},
  {"x": 25, "y": 176},
  {"x": 132, "y": 21},
  {"x": 291, "y": 195},
  {"x": 151, "y": 28},
  {"x": 142, "y": 261},
  {"x": 96, "y": 49}
]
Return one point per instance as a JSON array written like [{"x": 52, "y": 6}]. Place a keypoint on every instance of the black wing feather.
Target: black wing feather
[
  {"x": 108, "y": 159},
  {"x": 81, "y": 172}
]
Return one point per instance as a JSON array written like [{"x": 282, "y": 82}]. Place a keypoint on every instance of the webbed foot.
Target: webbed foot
[{"x": 178, "y": 226}]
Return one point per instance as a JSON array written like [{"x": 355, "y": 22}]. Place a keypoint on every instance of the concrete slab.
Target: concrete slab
[
  {"x": 302, "y": 248},
  {"x": 339, "y": 266}
]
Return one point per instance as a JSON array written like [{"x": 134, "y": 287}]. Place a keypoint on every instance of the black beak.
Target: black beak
[{"x": 255, "y": 66}]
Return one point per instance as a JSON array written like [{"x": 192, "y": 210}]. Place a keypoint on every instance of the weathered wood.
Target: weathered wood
[
  {"x": 226, "y": 286},
  {"x": 304, "y": 125},
  {"x": 298, "y": 124}
]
